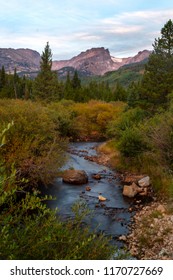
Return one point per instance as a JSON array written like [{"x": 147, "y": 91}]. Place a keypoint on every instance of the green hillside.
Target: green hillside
[{"x": 124, "y": 75}]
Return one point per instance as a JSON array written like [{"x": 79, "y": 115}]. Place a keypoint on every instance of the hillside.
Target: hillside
[
  {"x": 21, "y": 59},
  {"x": 124, "y": 75}
]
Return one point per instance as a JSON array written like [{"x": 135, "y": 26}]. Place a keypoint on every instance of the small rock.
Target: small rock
[
  {"x": 161, "y": 208},
  {"x": 88, "y": 188},
  {"x": 163, "y": 252},
  {"x": 144, "y": 182},
  {"x": 144, "y": 192},
  {"x": 123, "y": 238},
  {"x": 101, "y": 198},
  {"x": 96, "y": 176},
  {"x": 103, "y": 205}
]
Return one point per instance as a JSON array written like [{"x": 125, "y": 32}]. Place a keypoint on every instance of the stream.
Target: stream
[{"x": 111, "y": 216}]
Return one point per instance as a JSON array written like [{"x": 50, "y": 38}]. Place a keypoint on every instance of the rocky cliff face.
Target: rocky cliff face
[
  {"x": 21, "y": 59},
  {"x": 95, "y": 61},
  {"x": 98, "y": 61}
]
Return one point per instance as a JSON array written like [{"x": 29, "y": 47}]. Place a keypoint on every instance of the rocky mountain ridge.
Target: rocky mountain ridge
[
  {"x": 95, "y": 61},
  {"x": 98, "y": 61},
  {"x": 21, "y": 59}
]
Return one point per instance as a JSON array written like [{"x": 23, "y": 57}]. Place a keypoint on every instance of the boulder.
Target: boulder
[
  {"x": 130, "y": 178},
  {"x": 75, "y": 177},
  {"x": 144, "y": 182},
  {"x": 131, "y": 190}
]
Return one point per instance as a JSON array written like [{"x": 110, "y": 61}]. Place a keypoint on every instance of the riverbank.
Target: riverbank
[
  {"x": 151, "y": 234},
  {"x": 151, "y": 231}
]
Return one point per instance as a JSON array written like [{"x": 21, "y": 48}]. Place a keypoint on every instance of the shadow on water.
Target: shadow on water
[{"x": 111, "y": 216}]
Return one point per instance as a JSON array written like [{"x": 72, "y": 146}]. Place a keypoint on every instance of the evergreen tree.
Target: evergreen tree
[
  {"x": 46, "y": 83},
  {"x": 133, "y": 94},
  {"x": 76, "y": 82},
  {"x": 68, "y": 87},
  {"x": 2, "y": 78},
  {"x": 157, "y": 81},
  {"x": 15, "y": 83},
  {"x": 119, "y": 93}
]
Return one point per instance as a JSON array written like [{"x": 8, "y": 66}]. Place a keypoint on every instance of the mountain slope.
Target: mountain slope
[
  {"x": 98, "y": 61},
  {"x": 21, "y": 59},
  {"x": 93, "y": 62},
  {"x": 125, "y": 75}
]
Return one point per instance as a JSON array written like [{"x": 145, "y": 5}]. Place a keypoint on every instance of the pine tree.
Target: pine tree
[
  {"x": 157, "y": 82},
  {"x": 76, "y": 82},
  {"x": 119, "y": 93},
  {"x": 46, "y": 83},
  {"x": 68, "y": 87},
  {"x": 2, "y": 78}
]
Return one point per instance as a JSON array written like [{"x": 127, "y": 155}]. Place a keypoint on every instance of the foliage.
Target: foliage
[
  {"x": 34, "y": 145},
  {"x": 32, "y": 231},
  {"x": 63, "y": 115},
  {"x": 129, "y": 118},
  {"x": 92, "y": 118},
  {"x": 46, "y": 83},
  {"x": 29, "y": 230},
  {"x": 124, "y": 75},
  {"x": 157, "y": 81},
  {"x": 131, "y": 142},
  {"x": 12, "y": 86}
]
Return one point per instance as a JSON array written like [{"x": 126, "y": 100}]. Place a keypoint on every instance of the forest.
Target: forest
[{"x": 38, "y": 118}]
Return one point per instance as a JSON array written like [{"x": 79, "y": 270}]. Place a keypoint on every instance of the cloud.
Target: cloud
[{"x": 125, "y": 27}]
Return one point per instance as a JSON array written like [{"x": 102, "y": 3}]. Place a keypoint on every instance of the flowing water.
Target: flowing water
[{"x": 111, "y": 216}]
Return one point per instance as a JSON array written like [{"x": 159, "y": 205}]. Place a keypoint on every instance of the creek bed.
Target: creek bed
[{"x": 111, "y": 216}]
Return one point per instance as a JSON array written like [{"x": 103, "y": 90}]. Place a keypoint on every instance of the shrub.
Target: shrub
[
  {"x": 93, "y": 117},
  {"x": 34, "y": 146},
  {"x": 131, "y": 142},
  {"x": 126, "y": 120}
]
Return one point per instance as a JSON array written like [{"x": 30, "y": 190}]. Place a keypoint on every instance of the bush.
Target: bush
[
  {"x": 92, "y": 118},
  {"x": 63, "y": 116},
  {"x": 29, "y": 230},
  {"x": 131, "y": 142},
  {"x": 128, "y": 119},
  {"x": 34, "y": 146}
]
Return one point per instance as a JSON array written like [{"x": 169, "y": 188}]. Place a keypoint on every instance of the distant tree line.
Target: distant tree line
[
  {"x": 48, "y": 87},
  {"x": 152, "y": 91}
]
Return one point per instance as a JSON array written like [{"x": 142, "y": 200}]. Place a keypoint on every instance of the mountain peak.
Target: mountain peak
[
  {"x": 21, "y": 59},
  {"x": 98, "y": 61},
  {"x": 94, "y": 61}
]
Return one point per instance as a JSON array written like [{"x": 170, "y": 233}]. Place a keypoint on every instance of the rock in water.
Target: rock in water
[
  {"x": 75, "y": 177},
  {"x": 97, "y": 176},
  {"x": 101, "y": 198}
]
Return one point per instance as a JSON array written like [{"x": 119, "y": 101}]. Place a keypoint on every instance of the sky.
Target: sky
[{"x": 125, "y": 27}]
